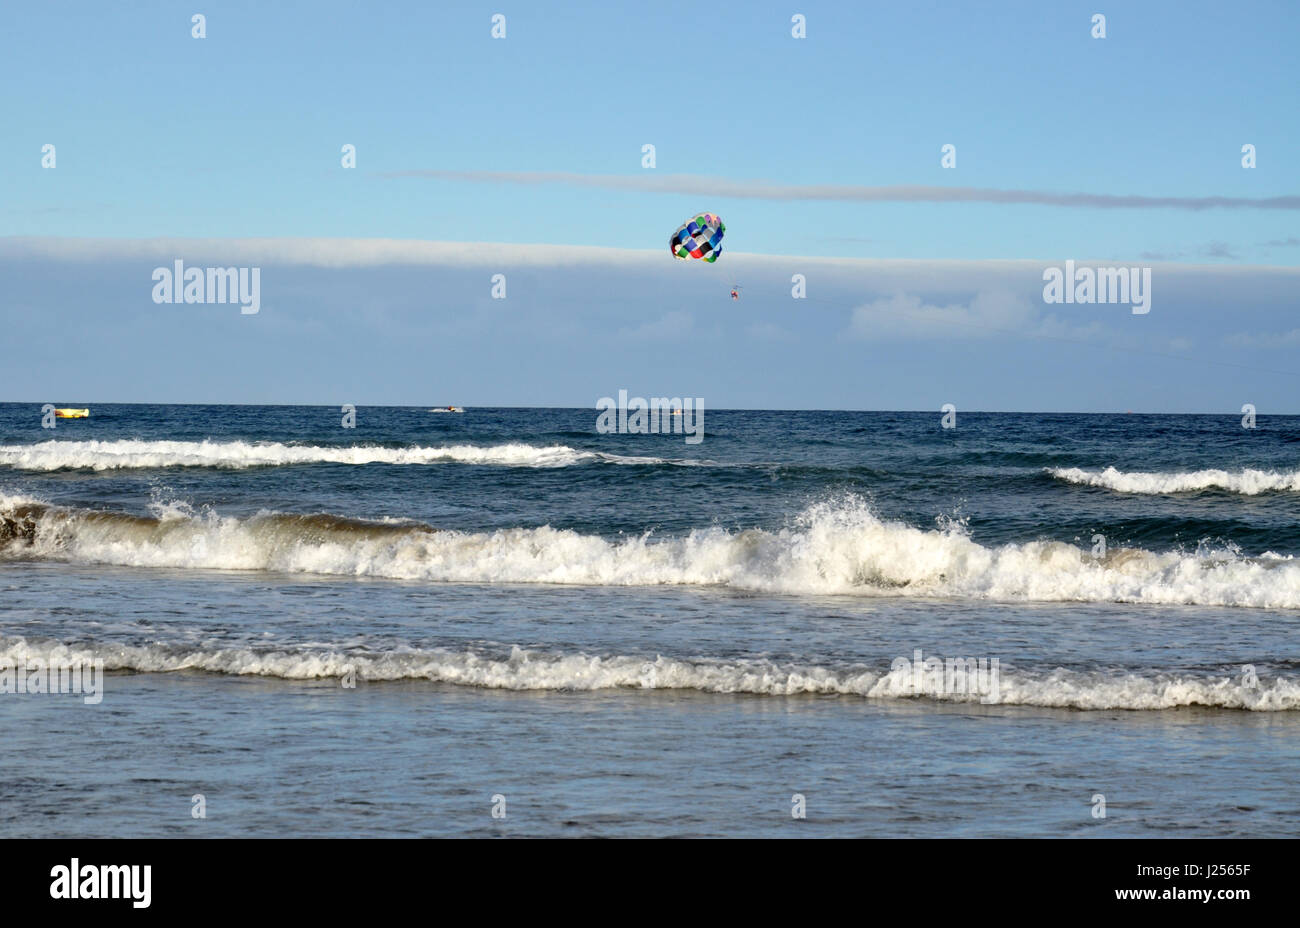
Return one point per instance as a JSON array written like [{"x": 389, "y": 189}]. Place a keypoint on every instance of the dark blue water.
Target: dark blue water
[
  {"x": 374, "y": 630},
  {"x": 760, "y": 467}
]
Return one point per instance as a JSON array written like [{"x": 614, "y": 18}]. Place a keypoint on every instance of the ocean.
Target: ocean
[{"x": 505, "y": 622}]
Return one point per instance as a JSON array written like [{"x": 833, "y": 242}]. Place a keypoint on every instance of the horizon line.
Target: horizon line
[{"x": 1001, "y": 412}]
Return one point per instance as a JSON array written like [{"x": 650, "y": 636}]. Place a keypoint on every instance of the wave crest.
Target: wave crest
[
  {"x": 538, "y": 670},
  {"x": 135, "y": 454},
  {"x": 1248, "y": 482},
  {"x": 833, "y": 547}
]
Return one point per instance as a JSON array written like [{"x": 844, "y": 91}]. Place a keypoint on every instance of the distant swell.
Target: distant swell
[
  {"x": 132, "y": 453},
  {"x": 833, "y": 547},
  {"x": 535, "y": 670},
  {"x": 1247, "y": 481}
]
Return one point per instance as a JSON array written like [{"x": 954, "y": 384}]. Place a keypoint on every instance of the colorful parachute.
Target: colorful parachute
[{"x": 700, "y": 237}]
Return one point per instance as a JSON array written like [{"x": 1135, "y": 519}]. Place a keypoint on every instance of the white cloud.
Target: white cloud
[
  {"x": 941, "y": 274},
  {"x": 905, "y": 315},
  {"x": 700, "y": 185},
  {"x": 320, "y": 252},
  {"x": 1265, "y": 339}
]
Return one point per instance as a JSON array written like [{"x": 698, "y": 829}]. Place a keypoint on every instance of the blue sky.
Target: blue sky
[{"x": 237, "y": 136}]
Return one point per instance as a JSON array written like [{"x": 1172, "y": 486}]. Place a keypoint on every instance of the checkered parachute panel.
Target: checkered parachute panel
[{"x": 700, "y": 237}]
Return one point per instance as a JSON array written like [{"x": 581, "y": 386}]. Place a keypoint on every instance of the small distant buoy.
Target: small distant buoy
[{"x": 72, "y": 413}]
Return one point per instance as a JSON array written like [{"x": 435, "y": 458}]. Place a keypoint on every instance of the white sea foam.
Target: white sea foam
[
  {"x": 134, "y": 453},
  {"x": 539, "y": 670},
  {"x": 1247, "y": 481},
  {"x": 833, "y": 547}
]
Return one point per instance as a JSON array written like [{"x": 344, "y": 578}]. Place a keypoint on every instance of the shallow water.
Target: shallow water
[{"x": 627, "y": 634}]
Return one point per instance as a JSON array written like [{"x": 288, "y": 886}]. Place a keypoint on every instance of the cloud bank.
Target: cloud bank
[{"x": 700, "y": 185}]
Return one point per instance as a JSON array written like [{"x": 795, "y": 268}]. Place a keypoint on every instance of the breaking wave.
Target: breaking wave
[
  {"x": 1247, "y": 481},
  {"x": 521, "y": 669},
  {"x": 832, "y": 547},
  {"x": 132, "y": 453}
]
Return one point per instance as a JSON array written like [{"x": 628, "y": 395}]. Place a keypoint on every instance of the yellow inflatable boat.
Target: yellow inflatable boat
[{"x": 71, "y": 413}]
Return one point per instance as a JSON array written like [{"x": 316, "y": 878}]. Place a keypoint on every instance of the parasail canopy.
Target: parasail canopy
[{"x": 700, "y": 237}]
